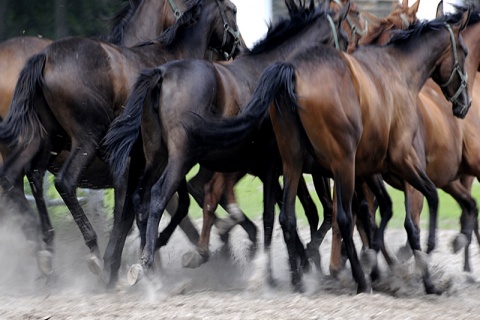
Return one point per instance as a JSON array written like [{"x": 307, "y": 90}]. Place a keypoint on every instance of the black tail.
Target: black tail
[
  {"x": 276, "y": 84},
  {"x": 22, "y": 120},
  {"x": 125, "y": 129}
]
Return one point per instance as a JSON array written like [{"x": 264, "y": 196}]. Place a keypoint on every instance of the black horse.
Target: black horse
[{"x": 68, "y": 95}]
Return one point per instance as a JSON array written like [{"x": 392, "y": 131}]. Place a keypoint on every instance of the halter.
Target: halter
[
  {"x": 227, "y": 29},
  {"x": 334, "y": 30},
  {"x": 456, "y": 69},
  {"x": 176, "y": 12},
  {"x": 355, "y": 30}
]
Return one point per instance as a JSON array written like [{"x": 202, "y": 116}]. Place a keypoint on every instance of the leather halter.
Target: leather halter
[{"x": 456, "y": 70}]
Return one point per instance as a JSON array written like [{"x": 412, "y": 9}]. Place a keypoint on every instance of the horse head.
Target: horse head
[
  {"x": 450, "y": 71},
  {"x": 226, "y": 37},
  {"x": 401, "y": 18}
]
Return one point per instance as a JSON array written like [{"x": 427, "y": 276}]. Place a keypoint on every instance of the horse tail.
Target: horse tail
[
  {"x": 125, "y": 129},
  {"x": 277, "y": 82},
  {"x": 22, "y": 121}
]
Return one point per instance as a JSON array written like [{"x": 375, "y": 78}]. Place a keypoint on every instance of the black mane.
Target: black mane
[
  {"x": 120, "y": 20},
  {"x": 189, "y": 18},
  {"x": 299, "y": 17}
]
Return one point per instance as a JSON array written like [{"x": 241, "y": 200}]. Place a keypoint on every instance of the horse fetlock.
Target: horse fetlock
[
  {"x": 45, "y": 262},
  {"x": 422, "y": 260},
  {"x": 404, "y": 253},
  {"x": 235, "y": 212},
  {"x": 225, "y": 225},
  {"x": 368, "y": 259},
  {"x": 459, "y": 242}
]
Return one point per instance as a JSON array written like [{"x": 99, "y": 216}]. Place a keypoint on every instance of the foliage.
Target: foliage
[{"x": 37, "y": 18}]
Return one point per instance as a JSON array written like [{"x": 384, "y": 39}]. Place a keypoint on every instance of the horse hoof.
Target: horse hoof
[
  {"x": 404, "y": 253},
  {"x": 193, "y": 259},
  {"x": 421, "y": 259},
  {"x": 94, "y": 263},
  {"x": 368, "y": 259},
  {"x": 45, "y": 262},
  {"x": 135, "y": 273},
  {"x": 459, "y": 242}
]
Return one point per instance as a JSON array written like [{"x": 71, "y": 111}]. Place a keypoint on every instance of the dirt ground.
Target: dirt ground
[{"x": 227, "y": 288}]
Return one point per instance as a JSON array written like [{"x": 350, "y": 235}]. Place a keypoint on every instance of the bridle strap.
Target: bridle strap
[
  {"x": 228, "y": 29},
  {"x": 334, "y": 30},
  {"x": 176, "y": 12},
  {"x": 455, "y": 70}
]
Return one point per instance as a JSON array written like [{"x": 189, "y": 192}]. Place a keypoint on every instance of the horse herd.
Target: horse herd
[{"x": 329, "y": 91}]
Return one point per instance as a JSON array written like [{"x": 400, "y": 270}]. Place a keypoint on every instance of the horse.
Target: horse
[
  {"x": 176, "y": 131},
  {"x": 451, "y": 145},
  {"x": 135, "y": 22},
  {"x": 378, "y": 120},
  {"x": 68, "y": 95}
]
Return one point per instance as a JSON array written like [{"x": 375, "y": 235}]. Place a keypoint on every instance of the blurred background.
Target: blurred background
[{"x": 59, "y": 18}]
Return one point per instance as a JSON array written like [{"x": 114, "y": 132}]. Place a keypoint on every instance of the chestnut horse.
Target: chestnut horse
[
  {"x": 360, "y": 122},
  {"x": 173, "y": 126},
  {"x": 68, "y": 95}
]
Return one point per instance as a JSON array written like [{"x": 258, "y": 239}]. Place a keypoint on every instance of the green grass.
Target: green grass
[{"x": 250, "y": 198}]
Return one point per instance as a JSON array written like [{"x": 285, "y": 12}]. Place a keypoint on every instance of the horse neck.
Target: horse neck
[
  {"x": 471, "y": 37},
  {"x": 148, "y": 22},
  {"x": 191, "y": 43},
  {"x": 417, "y": 58},
  {"x": 312, "y": 36}
]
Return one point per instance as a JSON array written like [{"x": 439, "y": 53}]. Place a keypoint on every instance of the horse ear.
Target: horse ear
[
  {"x": 465, "y": 18},
  {"x": 439, "y": 9},
  {"x": 405, "y": 3},
  {"x": 414, "y": 8},
  {"x": 342, "y": 14}
]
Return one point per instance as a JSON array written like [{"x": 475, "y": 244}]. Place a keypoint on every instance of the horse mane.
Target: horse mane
[
  {"x": 300, "y": 16},
  {"x": 474, "y": 16},
  {"x": 120, "y": 20},
  {"x": 419, "y": 27},
  {"x": 189, "y": 18}
]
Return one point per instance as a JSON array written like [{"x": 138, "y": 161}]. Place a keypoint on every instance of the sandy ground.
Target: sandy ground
[{"x": 227, "y": 288}]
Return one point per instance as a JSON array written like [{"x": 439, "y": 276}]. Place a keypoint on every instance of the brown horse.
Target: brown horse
[
  {"x": 451, "y": 146},
  {"x": 68, "y": 95},
  {"x": 357, "y": 123},
  {"x": 178, "y": 131}
]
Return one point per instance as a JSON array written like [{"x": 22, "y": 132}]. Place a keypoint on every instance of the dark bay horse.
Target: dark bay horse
[
  {"x": 170, "y": 121},
  {"x": 137, "y": 21},
  {"x": 359, "y": 122},
  {"x": 68, "y": 95}
]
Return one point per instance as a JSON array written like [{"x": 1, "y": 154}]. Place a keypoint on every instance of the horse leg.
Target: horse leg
[
  {"x": 65, "y": 183},
  {"x": 376, "y": 185},
  {"x": 468, "y": 219},
  {"x": 344, "y": 174},
  {"x": 194, "y": 259},
  {"x": 11, "y": 182},
  {"x": 162, "y": 191},
  {"x": 311, "y": 213},
  {"x": 322, "y": 187},
  {"x": 270, "y": 188}
]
